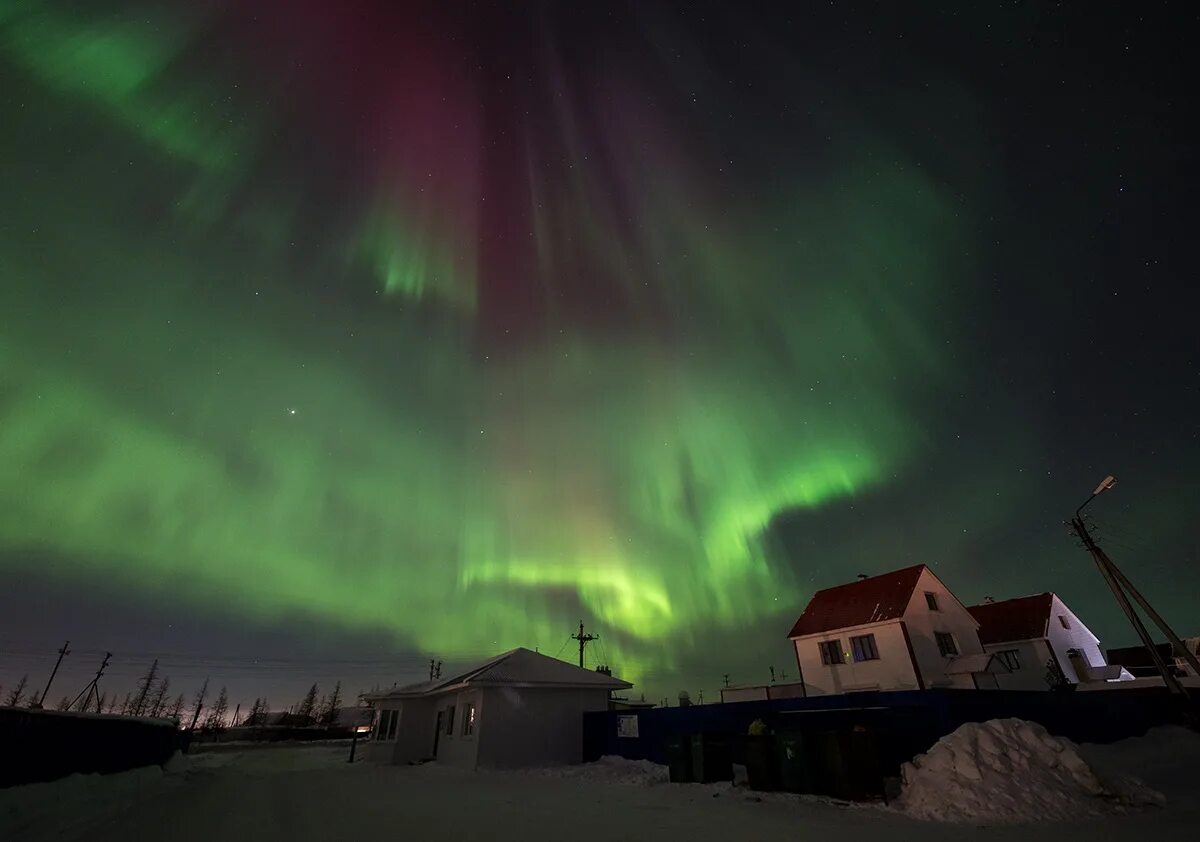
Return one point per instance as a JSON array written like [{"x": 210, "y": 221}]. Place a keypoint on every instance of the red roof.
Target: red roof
[
  {"x": 871, "y": 600},
  {"x": 1023, "y": 618}
]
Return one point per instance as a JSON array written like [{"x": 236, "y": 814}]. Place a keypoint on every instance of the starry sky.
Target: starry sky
[{"x": 335, "y": 336}]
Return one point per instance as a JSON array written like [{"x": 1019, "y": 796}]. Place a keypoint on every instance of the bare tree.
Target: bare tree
[
  {"x": 331, "y": 706},
  {"x": 64, "y": 703},
  {"x": 198, "y": 704},
  {"x": 140, "y": 705},
  {"x": 176, "y": 712},
  {"x": 158, "y": 707},
  {"x": 14, "y": 697},
  {"x": 308, "y": 705},
  {"x": 216, "y": 714},
  {"x": 112, "y": 703},
  {"x": 127, "y": 705}
]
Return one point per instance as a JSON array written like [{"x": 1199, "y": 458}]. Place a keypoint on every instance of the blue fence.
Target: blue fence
[{"x": 904, "y": 722}]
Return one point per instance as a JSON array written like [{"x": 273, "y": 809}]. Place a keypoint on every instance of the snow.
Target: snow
[
  {"x": 309, "y": 792},
  {"x": 1010, "y": 770}
]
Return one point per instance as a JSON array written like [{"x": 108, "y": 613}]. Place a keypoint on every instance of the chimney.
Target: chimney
[
  {"x": 862, "y": 576},
  {"x": 988, "y": 600}
]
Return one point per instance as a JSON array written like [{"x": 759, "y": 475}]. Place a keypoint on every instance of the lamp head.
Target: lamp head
[{"x": 1105, "y": 484}]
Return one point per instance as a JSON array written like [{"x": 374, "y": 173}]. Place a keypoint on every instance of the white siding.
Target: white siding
[
  {"x": 893, "y": 670},
  {"x": 519, "y": 726},
  {"x": 455, "y": 747},
  {"x": 951, "y": 617},
  {"x": 1077, "y": 637}
]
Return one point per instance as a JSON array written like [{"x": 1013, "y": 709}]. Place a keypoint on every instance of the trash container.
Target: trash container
[
  {"x": 830, "y": 775},
  {"x": 847, "y": 763},
  {"x": 762, "y": 764},
  {"x": 791, "y": 755},
  {"x": 679, "y": 758},
  {"x": 712, "y": 759}
]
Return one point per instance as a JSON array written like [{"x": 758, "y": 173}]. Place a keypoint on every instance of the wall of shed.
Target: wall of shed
[{"x": 527, "y": 727}]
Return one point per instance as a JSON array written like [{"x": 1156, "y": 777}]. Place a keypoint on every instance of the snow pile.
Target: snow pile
[
  {"x": 610, "y": 769},
  {"x": 23, "y": 807},
  {"x": 1010, "y": 770}
]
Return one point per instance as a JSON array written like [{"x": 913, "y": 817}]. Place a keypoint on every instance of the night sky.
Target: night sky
[{"x": 335, "y": 336}]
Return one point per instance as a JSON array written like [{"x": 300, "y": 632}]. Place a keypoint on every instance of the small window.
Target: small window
[
  {"x": 831, "y": 652},
  {"x": 946, "y": 644},
  {"x": 450, "y": 721},
  {"x": 1062, "y": 618},
  {"x": 385, "y": 729},
  {"x": 1009, "y": 658},
  {"x": 391, "y": 732},
  {"x": 931, "y": 601},
  {"x": 864, "y": 648},
  {"x": 469, "y": 720}
]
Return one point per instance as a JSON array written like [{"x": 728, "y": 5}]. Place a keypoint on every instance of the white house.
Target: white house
[
  {"x": 518, "y": 709},
  {"x": 902, "y": 630},
  {"x": 1031, "y": 633}
]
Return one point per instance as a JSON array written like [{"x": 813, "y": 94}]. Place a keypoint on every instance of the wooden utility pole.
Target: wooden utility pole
[
  {"x": 93, "y": 685},
  {"x": 584, "y": 640},
  {"x": 61, "y": 654}
]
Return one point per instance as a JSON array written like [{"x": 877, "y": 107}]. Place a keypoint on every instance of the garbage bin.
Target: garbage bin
[
  {"x": 712, "y": 759},
  {"x": 679, "y": 758},
  {"x": 830, "y": 775},
  {"x": 762, "y": 764},
  {"x": 791, "y": 755}
]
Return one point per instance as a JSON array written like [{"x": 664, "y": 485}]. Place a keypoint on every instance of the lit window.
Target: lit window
[
  {"x": 1066, "y": 624},
  {"x": 450, "y": 721},
  {"x": 931, "y": 601},
  {"x": 864, "y": 648},
  {"x": 946, "y": 644},
  {"x": 469, "y": 720},
  {"x": 831, "y": 652}
]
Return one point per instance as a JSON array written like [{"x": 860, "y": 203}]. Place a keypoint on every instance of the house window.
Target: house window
[
  {"x": 945, "y": 642},
  {"x": 1009, "y": 658},
  {"x": 864, "y": 648},
  {"x": 469, "y": 719},
  {"x": 1062, "y": 619},
  {"x": 391, "y": 732},
  {"x": 831, "y": 652},
  {"x": 385, "y": 729},
  {"x": 931, "y": 601},
  {"x": 450, "y": 721}
]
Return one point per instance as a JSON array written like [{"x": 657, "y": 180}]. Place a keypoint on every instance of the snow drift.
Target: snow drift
[{"x": 1010, "y": 770}]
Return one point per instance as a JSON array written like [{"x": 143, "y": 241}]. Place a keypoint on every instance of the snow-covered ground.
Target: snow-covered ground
[{"x": 310, "y": 792}]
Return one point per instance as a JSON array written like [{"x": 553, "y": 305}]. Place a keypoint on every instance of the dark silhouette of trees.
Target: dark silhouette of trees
[
  {"x": 142, "y": 700},
  {"x": 14, "y": 697},
  {"x": 304, "y": 713},
  {"x": 216, "y": 714},
  {"x": 198, "y": 704},
  {"x": 176, "y": 712},
  {"x": 330, "y": 707}
]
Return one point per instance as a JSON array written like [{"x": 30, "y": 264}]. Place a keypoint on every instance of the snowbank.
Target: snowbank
[
  {"x": 1010, "y": 770},
  {"x": 609, "y": 769},
  {"x": 22, "y": 807}
]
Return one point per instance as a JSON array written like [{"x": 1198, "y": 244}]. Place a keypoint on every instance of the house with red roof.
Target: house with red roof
[
  {"x": 1038, "y": 636},
  {"x": 903, "y": 630}
]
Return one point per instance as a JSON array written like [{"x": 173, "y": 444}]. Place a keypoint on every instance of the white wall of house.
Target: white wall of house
[
  {"x": 892, "y": 671},
  {"x": 1031, "y": 658},
  {"x": 1078, "y": 636},
  {"x": 534, "y": 726},
  {"x": 950, "y": 617},
  {"x": 454, "y": 746}
]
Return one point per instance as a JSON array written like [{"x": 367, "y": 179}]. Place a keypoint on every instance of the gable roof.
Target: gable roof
[
  {"x": 871, "y": 600},
  {"x": 516, "y": 668},
  {"x": 1023, "y": 618}
]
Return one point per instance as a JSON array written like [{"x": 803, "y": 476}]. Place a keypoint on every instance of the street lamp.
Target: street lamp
[{"x": 1105, "y": 484}]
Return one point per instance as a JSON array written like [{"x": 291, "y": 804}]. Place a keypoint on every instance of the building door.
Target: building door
[{"x": 437, "y": 732}]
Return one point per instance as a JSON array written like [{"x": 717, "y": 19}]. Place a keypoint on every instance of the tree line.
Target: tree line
[{"x": 152, "y": 698}]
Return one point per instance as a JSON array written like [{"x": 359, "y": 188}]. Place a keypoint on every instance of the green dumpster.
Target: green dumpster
[
  {"x": 791, "y": 753},
  {"x": 679, "y": 758}
]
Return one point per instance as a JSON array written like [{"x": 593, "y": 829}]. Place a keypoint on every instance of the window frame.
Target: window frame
[
  {"x": 1064, "y": 622},
  {"x": 830, "y": 649},
  {"x": 863, "y": 648},
  {"x": 931, "y": 601},
  {"x": 450, "y": 720},
  {"x": 1011, "y": 658},
  {"x": 943, "y": 636},
  {"x": 468, "y": 719}
]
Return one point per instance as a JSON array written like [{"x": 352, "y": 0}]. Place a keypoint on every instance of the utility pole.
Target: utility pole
[
  {"x": 584, "y": 640},
  {"x": 94, "y": 684},
  {"x": 61, "y": 654},
  {"x": 1122, "y": 589}
]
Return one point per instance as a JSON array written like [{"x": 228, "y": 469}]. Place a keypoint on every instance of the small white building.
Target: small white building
[
  {"x": 518, "y": 709},
  {"x": 1033, "y": 634},
  {"x": 903, "y": 630}
]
